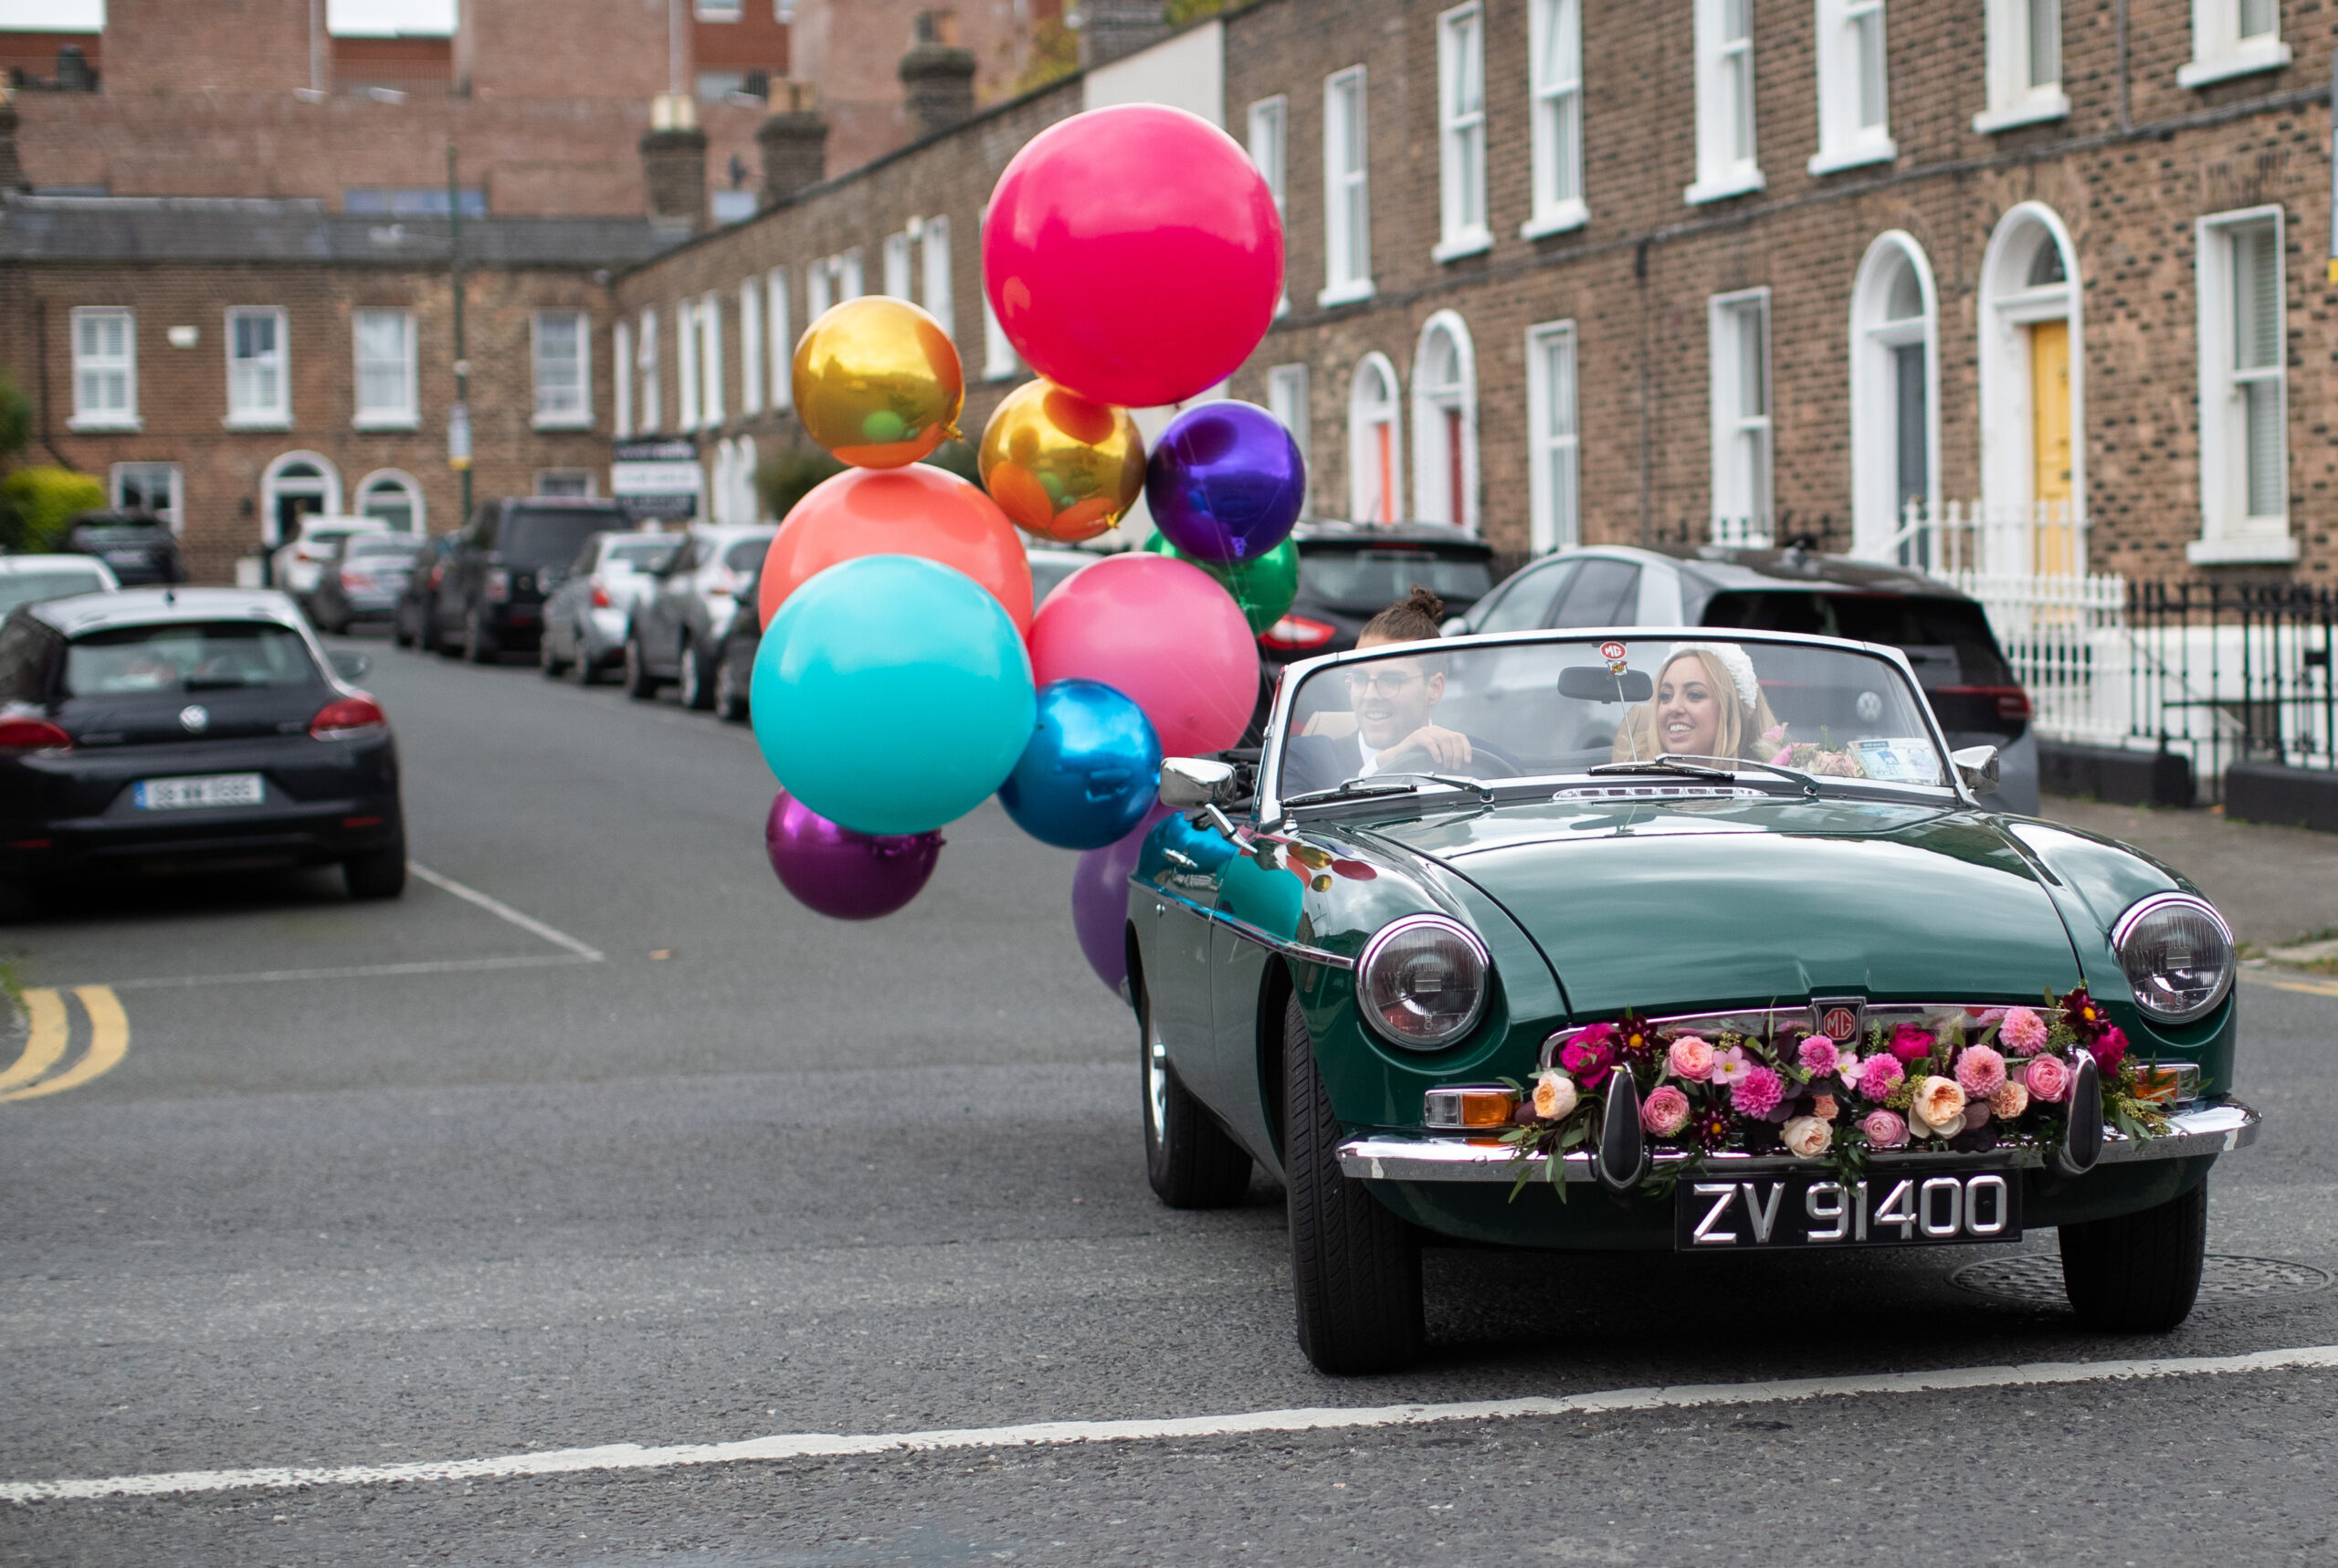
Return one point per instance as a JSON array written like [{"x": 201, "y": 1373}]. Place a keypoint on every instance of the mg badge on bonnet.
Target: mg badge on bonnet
[
  {"x": 195, "y": 718},
  {"x": 1839, "y": 1018}
]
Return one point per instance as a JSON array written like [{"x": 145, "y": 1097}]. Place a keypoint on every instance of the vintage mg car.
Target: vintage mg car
[{"x": 1664, "y": 939}]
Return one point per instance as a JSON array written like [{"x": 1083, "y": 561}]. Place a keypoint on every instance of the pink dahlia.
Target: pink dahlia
[
  {"x": 1819, "y": 1055},
  {"x": 1664, "y": 1112},
  {"x": 1692, "y": 1058},
  {"x": 1758, "y": 1093},
  {"x": 1880, "y": 1076},
  {"x": 2048, "y": 1078},
  {"x": 2110, "y": 1048},
  {"x": 1884, "y": 1129},
  {"x": 1980, "y": 1071},
  {"x": 1910, "y": 1044},
  {"x": 2023, "y": 1031}
]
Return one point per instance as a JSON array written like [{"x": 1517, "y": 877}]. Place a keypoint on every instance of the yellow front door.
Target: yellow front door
[{"x": 2049, "y": 442}]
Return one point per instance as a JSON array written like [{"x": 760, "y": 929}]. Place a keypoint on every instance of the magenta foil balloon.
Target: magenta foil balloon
[
  {"x": 844, "y": 875},
  {"x": 1100, "y": 899}
]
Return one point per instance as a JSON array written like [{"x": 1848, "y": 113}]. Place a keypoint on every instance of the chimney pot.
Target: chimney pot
[
  {"x": 794, "y": 141},
  {"x": 937, "y": 76},
  {"x": 673, "y": 165}
]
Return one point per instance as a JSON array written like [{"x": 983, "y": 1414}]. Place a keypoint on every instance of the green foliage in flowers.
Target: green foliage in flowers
[{"x": 37, "y": 505}]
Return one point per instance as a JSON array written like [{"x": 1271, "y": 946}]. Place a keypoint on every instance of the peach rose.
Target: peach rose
[
  {"x": 1554, "y": 1094},
  {"x": 1692, "y": 1058},
  {"x": 1823, "y": 1107},
  {"x": 1938, "y": 1107},
  {"x": 2010, "y": 1100},
  {"x": 1805, "y": 1137}
]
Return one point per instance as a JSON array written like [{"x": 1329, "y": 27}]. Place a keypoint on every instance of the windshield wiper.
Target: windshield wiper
[
  {"x": 1353, "y": 789},
  {"x": 1671, "y": 763},
  {"x": 1478, "y": 787}
]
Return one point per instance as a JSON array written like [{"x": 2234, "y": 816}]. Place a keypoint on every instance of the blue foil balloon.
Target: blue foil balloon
[
  {"x": 1224, "y": 482},
  {"x": 891, "y": 693},
  {"x": 1091, "y": 771}
]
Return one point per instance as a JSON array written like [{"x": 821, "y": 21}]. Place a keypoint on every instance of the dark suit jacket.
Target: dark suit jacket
[{"x": 1325, "y": 761}]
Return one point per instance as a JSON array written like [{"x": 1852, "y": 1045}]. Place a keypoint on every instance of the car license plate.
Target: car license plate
[
  {"x": 1951, "y": 1208},
  {"x": 216, "y": 789}
]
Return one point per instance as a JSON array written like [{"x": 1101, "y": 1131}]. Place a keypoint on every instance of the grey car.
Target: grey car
[
  {"x": 362, "y": 578},
  {"x": 586, "y": 617},
  {"x": 678, "y": 629}
]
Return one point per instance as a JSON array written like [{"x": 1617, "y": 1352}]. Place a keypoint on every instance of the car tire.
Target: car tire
[
  {"x": 1355, "y": 1268},
  {"x": 377, "y": 874},
  {"x": 697, "y": 684},
  {"x": 730, "y": 697},
  {"x": 1188, "y": 1158},
  {"x": 18, "y": 900},
  {"x": 587, "y": 669},
  {"x": 2138, "y": 1273},
  {"x": 550, "y": 663},
  {"x": 399, "y": 636},
  {"x": 639, "y": 684},
  {"x": 479, "y": 646}
]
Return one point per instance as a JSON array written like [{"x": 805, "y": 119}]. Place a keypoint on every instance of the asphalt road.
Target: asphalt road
[{"x": 648, "y": 1155}]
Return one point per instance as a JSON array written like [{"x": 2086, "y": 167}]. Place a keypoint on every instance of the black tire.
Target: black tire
[
  {"x": 377, "y": 874},
  {"x": 2138, "y": 1274},
  {"x": 550, "y": 663},
  {"x": 430, "y": 638},
  {"x": 1355, "y": 1268},
  {"x": 1188, "y": 1158},
  {"x": 479, "y": 646},
  {"x": 730, "y": 696},
  {"x": 697, "y": 683},
  {"x": 587, "y": 669},
  {"x": 18, "y": 900},
  {"x": 639, "y": 684}
]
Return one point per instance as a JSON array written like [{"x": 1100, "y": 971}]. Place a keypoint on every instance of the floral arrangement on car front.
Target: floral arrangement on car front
[{"x": 1968, "y": 1081}]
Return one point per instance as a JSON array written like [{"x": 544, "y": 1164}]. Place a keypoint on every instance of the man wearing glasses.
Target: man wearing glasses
[{"x": 1387, "y": 728}]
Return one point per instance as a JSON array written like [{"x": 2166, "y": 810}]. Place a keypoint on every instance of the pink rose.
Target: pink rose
[
  {"x": 1938, "y": 1107},
  {"x": 1910, "y": 1044},
  {"x": 1819, "y": 1055},
  {"x": 1985, "y": 1016},
  {"x": 1805, "y": 1137},
  {"x": 1880, "y": 1076},
  {"x": 2024, "y": 1031},
  {"x": 1554, "y": 1094},
  {"x": 2048, "y": 1078},
  {"x": 2108, "y": 1049},
  {"x": 1665, "y": 1111},
  {"x": 1884, "y": 1129},
  {"x": 1980, "y": 1071},
  {"x": 1758, "y": 1093},
  {"x": 1692, "y": 1058},
  {"x": 2010, "y": 1100}
]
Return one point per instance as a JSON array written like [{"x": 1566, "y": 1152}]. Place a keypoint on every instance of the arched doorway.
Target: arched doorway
[
  {"x": 294, "y": 486},
  {"x": 1895, "y": 393},
  {"x": 2033, "y": 388},
  {"x": 1445, "y": 423},
  {"x": 1375, "y": 460},
  {"x": 392, "y": 495}
]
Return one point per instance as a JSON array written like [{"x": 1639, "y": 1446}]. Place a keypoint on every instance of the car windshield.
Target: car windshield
[
  {"x": 49, "y": 583},
  {"x": 1371, "y": 580},
  {"x": 747, "y": 554},
  {"x": 640, "y": 555},
  {"x": 539, "y": 538},
  {"x": 186, "y": 656},
  {"x": 1947, "y": 640},
  {"x": 380, "y": 544},
  {"x": 114, "y": 535},
  {"x": 1560, "y": 706}
]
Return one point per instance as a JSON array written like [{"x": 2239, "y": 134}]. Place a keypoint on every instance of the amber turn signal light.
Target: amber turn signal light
[{"x": 1468, "y": 1107}]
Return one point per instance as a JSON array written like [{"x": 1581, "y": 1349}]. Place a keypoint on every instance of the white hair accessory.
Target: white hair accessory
[{"x": 1732, "y": 659}]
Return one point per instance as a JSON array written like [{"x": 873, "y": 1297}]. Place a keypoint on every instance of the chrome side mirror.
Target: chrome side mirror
[
  {"x": 1976, "y": 769},
  {"x": 1190, "y": 782}
]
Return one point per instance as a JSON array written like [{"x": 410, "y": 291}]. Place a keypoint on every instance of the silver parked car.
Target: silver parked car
[
  {"x": 361, "y": 579},
  {"x": 28, "y": 579},
  {"x": 586, "y": 617},
  {"x": 678, "y": 629}
]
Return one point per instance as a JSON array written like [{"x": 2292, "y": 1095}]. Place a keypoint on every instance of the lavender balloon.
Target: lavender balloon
[
  {"x": 1224, "y": 482},
  {"x": 844, "y": 875},
  {"x": 1100, "y": 899}
]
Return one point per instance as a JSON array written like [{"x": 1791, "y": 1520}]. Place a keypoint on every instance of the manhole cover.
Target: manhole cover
[{"x": 2035, "y": 1278}]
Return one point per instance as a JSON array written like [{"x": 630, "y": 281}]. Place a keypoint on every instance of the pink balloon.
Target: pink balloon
[
  {"x": 1133, "y": 254},
  {"x": 1164, "y": 634}
]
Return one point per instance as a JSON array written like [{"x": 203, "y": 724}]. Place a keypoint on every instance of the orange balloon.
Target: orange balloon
[{"x": 916, "y": 510}]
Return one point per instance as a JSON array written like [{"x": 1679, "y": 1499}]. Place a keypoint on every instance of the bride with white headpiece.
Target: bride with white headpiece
[{"x": 1706, "y": 703}]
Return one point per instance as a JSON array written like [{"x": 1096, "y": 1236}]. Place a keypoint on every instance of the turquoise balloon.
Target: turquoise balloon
[{"x": 891, "y": 694}]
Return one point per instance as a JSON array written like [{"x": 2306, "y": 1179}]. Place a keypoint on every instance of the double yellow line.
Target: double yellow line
[{"x": 35, "y": 1072}]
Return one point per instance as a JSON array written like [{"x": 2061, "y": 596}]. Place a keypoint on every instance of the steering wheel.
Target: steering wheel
[{"x": 1482, "y": 764}]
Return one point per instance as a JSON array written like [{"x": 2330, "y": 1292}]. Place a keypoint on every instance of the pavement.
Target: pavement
[
  {"x": 595, "y": 1140},
  {"x": 2274, "y": 885}
]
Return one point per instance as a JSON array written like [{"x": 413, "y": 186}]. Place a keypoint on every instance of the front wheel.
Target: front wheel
[
  {"x": 2138, "y": 1273},
  {"x": 730, "y": 693},
  {"x": 697, "y": 688},
  {"x": 1188, "y": 1158},
  {"x": 380, "y": 874},
  {"x": 585, "y": 670},
  {"x": 548, "y": 662},
  {"x": 1355, "y": 1268},
  {"x": 639, "y": 684}
]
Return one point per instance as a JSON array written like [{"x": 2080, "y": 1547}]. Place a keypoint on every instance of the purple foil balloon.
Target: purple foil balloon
[
  {"x": 837, "y": 872},
  {"x": 1224, "y": 482},
  {"x": 1100, "y": 899}
]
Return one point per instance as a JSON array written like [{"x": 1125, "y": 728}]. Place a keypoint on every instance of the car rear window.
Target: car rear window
[
  {"x": 546, "y": 537},
  {"x": 122, "y": 534},
  {"x": 642, "y": 555},
  {"x": 1371, "y": 580},
  {"x": 747, "y": 554},
  {"x": 384, "y": 544},
  {"x": 186, "y": 656},
  {"x": 49, "y": 583},
  {"x": 1948, "y": 640}
]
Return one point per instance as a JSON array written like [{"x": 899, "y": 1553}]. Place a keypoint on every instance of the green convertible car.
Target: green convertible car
[{"x": 1681, "y": 939}]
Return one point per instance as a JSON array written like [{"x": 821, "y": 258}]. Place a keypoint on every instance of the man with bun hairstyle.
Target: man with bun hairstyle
[{"x": 1390, "y": 703}]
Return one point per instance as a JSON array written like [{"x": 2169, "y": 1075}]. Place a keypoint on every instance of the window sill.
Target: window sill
[
  {"x": 2230, "y": 551},
  {"x": 1736, "y": 183},
  {"x": 1471, "y": 242},
  {"x": 2270, "y": 56},
  {"x": 567, "y": 422},
  {"x": 386, "y": 422},
  {"x": 257, "y": 422},
  {"x": 1858, "y": 157},
  {"x": 2033, "y": 110},
  {"x": 1345, "y": 294},
  {"x": 108, "y": 424},
  {"x": 1560, "y": 219}
]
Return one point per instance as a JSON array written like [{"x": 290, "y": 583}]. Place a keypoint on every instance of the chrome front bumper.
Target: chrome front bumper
[{"x": 1393, "y": 1157}]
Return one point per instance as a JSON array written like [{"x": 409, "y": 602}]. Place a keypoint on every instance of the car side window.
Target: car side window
[
  {"x": 26, "y": 646},
  {"x": 683, "y": 560},
  {"x": 1526, "y": 600},
  {"x": 1604, "y": 593}
]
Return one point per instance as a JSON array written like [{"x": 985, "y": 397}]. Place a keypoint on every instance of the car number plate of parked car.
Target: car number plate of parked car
[
  {"x": 216, "y": 789},
  {"x": 1911, "y": 1209}
]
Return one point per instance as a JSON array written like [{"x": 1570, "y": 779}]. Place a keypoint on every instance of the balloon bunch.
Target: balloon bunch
[{"x": 1133, "y": 256}]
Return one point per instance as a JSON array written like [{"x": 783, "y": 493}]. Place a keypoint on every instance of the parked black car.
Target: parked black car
[
  {"x": 362, "y": 579},
  {"x": 1350, "y": 572},
  {"x": 137, "y": 546},
  {"x": 151, "y": 730},
  {"x": 735, "y": 661},
  {"x": 415, "y": 621},
  {"x": 491, "y": 594}
]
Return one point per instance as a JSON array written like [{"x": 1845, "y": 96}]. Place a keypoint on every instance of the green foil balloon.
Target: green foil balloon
[{"x": 1264, "y": 588}]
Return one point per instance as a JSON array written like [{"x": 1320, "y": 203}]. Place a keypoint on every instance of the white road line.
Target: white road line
[
  {"x": 817, "y": 1445},
  {"x": 357, "y": 971},
  {"x": 502, "y": 911}
]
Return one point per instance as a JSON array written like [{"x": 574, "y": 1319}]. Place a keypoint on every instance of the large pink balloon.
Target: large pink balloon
[
  {"x": 1133, "y": 254},
  {"x": 1164, "y": 634}
]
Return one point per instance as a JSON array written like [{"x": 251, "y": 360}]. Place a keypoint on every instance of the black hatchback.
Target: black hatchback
[
  {"x": 138, "y": 547},
  {"x": 513, "y": 555},
  {"x": 1350, "y": 572},
  {"x": 152, "y": 731}
]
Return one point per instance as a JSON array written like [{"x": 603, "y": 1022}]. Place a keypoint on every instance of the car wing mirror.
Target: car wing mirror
[
  {"x": 1595, "y": 683},
  {"x": 1453, "y": 626},
  {"x": 1976, "y": 769},
  {"x": 350, "y": 666},
  {"x": 1190, "y": 782}
]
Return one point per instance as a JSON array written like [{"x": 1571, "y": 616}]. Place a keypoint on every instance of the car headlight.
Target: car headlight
[
  {"x": 2177, "y": 953},
  {"x": 1422, "y": 982}
]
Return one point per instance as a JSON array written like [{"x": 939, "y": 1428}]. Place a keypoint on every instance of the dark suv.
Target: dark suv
[
  {"x": 1350, "y": 572},
  {"x": 138, "y": 546},
  {"x": 491, "y": 594}
]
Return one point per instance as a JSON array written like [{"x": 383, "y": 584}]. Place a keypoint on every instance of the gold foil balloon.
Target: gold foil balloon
[
  {"x": 878, "y": 382},
  {"x": 1062, "y": 466}
]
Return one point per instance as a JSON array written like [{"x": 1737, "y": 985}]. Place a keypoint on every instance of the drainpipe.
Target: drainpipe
[
  {"x": 316, "y": 46},
  {"x": 1639, "y": 277}
]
